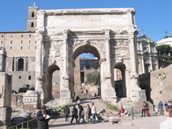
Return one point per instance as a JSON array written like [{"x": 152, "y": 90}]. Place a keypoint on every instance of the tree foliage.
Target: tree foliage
[
  {"x": 165, "y": 51},
  {"x": 93, "y": 77}
]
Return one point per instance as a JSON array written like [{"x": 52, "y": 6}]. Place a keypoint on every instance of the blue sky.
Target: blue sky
[{"x": 153, "y": 17}]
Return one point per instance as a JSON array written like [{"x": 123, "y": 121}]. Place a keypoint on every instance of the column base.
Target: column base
[{"x": 65, "y": 97}]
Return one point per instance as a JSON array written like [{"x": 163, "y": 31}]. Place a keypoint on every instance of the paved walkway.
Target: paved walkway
[
  {"x": 141, "y": 123},
  {"x": 126, "y": 122}
]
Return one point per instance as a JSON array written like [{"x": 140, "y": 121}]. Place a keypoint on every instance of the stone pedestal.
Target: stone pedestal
[
  {"x": 30, "y": 100},
  {"x": 5, "y": 116},
  {"x": 65, "y": 97},
  {"x": 5, "y": 99}
]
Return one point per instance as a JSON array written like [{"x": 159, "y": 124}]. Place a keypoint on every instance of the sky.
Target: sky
[{"x": 153, "y": 17}]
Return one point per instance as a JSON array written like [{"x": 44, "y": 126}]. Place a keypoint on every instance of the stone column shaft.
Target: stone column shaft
[
  {"x": 107, "y": 45},
  {"x": 39, "y": 64},
  {"x": 65, "y": 72},
  {"x": 133, "y": 54},
  {"x": 150, "y": 55}
]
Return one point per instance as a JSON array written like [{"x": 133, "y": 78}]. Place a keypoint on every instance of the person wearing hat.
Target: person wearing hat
[{"x": 43, "y": 117}]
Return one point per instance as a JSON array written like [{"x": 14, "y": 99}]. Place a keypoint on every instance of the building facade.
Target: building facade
[{"x": 18, "y": 52}]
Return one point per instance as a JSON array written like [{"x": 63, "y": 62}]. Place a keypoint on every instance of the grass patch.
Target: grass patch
[
  {"x": 62, "y": 107},
  {"x": 111, "y": 107}
]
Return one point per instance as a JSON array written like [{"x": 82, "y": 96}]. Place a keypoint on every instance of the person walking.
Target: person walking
[
  {"x": 143, "y": 109},
  {"x": 74, "y": 114},
  {"x": 93, "y": 112},
  {"x": 160, "y": 107},
  {"x": 81, "y": 114},
  {"x": 167, "y": 124},
  {"x": 66, "y": 113},
  {"x": 42, "y": 118},
  {"x": 88, "y": 113}
]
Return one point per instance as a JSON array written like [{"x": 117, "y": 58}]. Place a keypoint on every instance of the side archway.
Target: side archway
[
  {"x": 53, "y": 81},
  {"x": 120, "y": 81}
]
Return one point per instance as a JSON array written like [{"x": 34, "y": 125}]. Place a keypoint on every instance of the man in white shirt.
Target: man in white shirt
[
  {"x": 93, "y": 112},
  {"x": 167, "y": 124}
]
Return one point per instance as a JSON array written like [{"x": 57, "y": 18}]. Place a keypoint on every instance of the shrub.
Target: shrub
[{"x": 93, "y": 77}]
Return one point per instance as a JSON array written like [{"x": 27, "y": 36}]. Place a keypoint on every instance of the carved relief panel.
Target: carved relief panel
[
  {"x": 120, "y": 49},
  {"x": 54, "y": 50}
]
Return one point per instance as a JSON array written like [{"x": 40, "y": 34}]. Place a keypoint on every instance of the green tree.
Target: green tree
[
  {"x": 163, "y": 49},
  {"x": 93, "y": 77}
]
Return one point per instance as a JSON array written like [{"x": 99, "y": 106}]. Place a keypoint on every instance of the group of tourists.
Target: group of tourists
[
  {"x": 78, "y": 114},
  {"x": 43, "y": 115},
  {"x": 162, "y": 105}
]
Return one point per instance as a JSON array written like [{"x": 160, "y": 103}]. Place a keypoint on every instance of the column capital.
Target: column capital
[
  {"x": 39, "y": 34},
  {"x": 65, "y": 34},
  {"x": 107, "y": 34}
]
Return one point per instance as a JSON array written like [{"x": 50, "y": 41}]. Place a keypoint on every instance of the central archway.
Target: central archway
[{"x": 84, "y": 71}]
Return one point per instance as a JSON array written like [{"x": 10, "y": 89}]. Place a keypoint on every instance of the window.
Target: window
[
  {"x": 35, "y": 42},
  {"x": 21, "y": 48},
  {"x": 35, "y": 47},
  {"x": 11, "y": 42},
  {"x": 33, "y": 14},
  {"x": 2, "y": 36},
  {"x": 2, "y": 42},
  {"x": 29, "y": 47},
  {"x": 22, "y": 36},
  {"x": 32, "y": 24},
  {"x": 29, "y": 77},
  {"x": 19, "y": 77},
  {"x": 11, "y": 36},
  {"x": 11, "y": 47},
  {"x": 30, "y": 35},
  {"x": 21, "y": 41},
  {"x": 20, "y": 64},
  {"x": 29, "y": 41}
]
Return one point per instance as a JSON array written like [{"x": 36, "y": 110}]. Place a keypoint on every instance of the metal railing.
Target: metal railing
[{"x": 30, "y": 124}]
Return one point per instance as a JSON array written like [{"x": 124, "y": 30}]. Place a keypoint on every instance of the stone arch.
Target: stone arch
[
  {"x": 87, "y": 48},
  {"x": 84, "y": 48},
  {"x": 120, "y": 83},
  {"x": 53, "y": 81}
]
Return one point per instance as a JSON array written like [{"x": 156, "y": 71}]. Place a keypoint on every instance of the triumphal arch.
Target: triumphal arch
[{"x": 110, "y": 34}]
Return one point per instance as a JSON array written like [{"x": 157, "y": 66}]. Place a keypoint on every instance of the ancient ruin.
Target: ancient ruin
[{"x": 110, "y": 34}]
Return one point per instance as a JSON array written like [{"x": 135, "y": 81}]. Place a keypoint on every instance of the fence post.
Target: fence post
[{"x": 132, "y": 112}]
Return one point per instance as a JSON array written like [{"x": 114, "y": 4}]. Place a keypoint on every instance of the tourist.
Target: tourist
[
  {"x": 81, "y": 114},
  {"x": 170, "y": 102},
  {"x": 121, "y": 111},
  {"x": 147, "y": 109},
  {"x": 160, "y": 107},
  {"x": 143, "y": 109},
  {"x": 66, "y": 113},
  {"x": 77, "y": 98},
  {"x": 74, "y": 114},
  {"x": 93, "y": 112},
  {"x": 165, "y": 103},
  {"x": 167, "y": 124},
  {"x": 43, "y": 118},
  {"x": 88, "y": 113}
]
